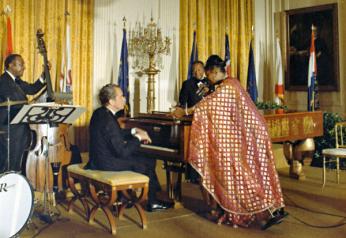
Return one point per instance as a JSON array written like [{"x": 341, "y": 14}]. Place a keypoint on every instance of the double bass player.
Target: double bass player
[{"x": 12, "y": 89}]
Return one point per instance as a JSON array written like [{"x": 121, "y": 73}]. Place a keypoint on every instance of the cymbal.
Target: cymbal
[
  {"x": 3, "y": 132},
  {"x": 11, "y": 103}
]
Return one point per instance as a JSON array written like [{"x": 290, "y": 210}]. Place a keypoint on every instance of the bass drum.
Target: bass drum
[{"x": 16, "y": 203}]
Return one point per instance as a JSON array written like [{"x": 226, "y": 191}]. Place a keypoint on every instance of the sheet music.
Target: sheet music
[{"x": 40, "y": 113}]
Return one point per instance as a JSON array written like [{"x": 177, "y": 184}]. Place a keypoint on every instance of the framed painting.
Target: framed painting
[{"x": 323, "y": 20}]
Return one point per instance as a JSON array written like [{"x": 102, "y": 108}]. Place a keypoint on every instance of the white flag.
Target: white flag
[
  {"x": 66, "y": 65},
  {"x": 279, "y": 86}
]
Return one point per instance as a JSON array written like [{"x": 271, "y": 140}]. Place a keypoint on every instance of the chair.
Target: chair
[{"x": 337, "y": 153}]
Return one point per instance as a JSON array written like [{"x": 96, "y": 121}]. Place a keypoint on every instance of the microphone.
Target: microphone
[{"x": 202, "y": 89}]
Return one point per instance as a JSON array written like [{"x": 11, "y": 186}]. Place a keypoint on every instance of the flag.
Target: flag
[
  {"x": 251, "y": 77},
  {"x": 312, "y": 73},
  {"x": 279, "y": 86},
  {"x": 227, "y": 56},
  {"x": 9, "y": 44},
  {"x": 123, "y": 78},
  {"x": 316, "y": 98},
  {"x": 66, "y": 64},
  {"x": 193, "y": 56}
]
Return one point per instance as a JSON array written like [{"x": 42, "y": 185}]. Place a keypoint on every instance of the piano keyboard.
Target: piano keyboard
[{"x": 154, "y": 147}]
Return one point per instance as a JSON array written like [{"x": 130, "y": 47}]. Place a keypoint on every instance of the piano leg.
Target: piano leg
[
  {"x": 174, "y": 172},
  {"x": 177, "y": 189},
  {"x": 295, "y": 153},
  {"x": 168, "y": 181}
]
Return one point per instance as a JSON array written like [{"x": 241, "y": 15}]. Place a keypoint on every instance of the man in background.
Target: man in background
[{"x": 192, "y": 90}]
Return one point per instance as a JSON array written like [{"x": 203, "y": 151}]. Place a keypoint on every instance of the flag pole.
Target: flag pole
[
  {"x": 252, "y": 33},
  {"x": 66, "y": 9}
]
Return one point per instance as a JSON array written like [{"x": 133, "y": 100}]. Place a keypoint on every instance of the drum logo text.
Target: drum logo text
[{"x": 3, "y": 187}]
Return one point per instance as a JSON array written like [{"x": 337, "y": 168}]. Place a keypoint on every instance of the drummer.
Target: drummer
[{"x": 13, "y": 91}]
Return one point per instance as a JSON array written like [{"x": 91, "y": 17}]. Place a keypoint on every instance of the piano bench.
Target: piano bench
[{"x": 104, "y": 187}]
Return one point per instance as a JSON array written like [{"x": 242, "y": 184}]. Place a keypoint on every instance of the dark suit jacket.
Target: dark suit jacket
[
  {"x": 188, "y": 95},
  {"x": 9, "y": 89},
  {"x": 20, "y": 133},
  {"x": 111, "y": 148}
]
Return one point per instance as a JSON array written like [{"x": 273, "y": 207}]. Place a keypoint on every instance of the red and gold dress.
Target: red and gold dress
[{"x": 231, "y": 149}]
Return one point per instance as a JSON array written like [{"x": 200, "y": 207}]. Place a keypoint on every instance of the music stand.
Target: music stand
[{"x": 51, "y": 114}]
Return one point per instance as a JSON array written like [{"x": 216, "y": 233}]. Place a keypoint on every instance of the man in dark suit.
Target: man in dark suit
[
  {"x": 192, "y": 90},
  {"x": 14, "y": 89},
  {"x": 114, "y": 149}
]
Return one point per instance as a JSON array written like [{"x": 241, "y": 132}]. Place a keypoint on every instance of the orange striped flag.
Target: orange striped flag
[
  {"x": 312, "y": 72},
  {"x": 9, "y": 44}
]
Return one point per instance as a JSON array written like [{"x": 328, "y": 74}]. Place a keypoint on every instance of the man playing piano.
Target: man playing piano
[{"x": 114, "y": 149}]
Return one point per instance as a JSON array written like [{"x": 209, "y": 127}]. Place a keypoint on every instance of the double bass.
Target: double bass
[{"x": 50, "y": 144}]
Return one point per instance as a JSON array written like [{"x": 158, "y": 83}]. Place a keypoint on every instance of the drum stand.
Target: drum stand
[
  {"x": 8, "y": 134},
  {"x": 50, "y": 115}
]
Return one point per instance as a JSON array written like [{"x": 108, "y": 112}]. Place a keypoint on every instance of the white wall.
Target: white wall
[{"x": 108, "y": 27}]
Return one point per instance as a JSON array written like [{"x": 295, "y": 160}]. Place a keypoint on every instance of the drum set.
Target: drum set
[
  {"x": 17, "y": 203},
  {"x": 16, "y": 193}
]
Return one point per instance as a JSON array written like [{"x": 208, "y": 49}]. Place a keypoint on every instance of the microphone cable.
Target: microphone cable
[{"x": 340, "y": 223}]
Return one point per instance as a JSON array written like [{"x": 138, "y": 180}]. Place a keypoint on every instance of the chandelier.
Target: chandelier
[{"x": 146, "y": 47}]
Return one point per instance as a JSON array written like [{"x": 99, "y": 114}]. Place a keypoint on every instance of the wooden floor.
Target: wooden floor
[{"x": 313, "y": 213}]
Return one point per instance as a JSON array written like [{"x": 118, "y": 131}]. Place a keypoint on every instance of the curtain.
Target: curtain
[
  {"x": 49, "y": 15},
  {"x": 212, "y": 19}
]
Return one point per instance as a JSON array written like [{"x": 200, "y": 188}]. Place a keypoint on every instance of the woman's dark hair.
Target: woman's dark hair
[
  {"x": 215, "y": 61},
  {"x": 107, "y": 93}
]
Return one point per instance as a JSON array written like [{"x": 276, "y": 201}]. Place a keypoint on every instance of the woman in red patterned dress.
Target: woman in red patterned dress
[{"x": 231, "y": 150}]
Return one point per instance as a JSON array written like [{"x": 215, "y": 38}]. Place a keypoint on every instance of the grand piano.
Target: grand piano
[{"x": 170, "y": 138}]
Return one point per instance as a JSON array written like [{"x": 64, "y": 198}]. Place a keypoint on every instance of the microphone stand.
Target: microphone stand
[
  {"x": 55, "y": 169},
  {"x": 48, "y": 214},
  {"x": 8, "y": 133}
]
